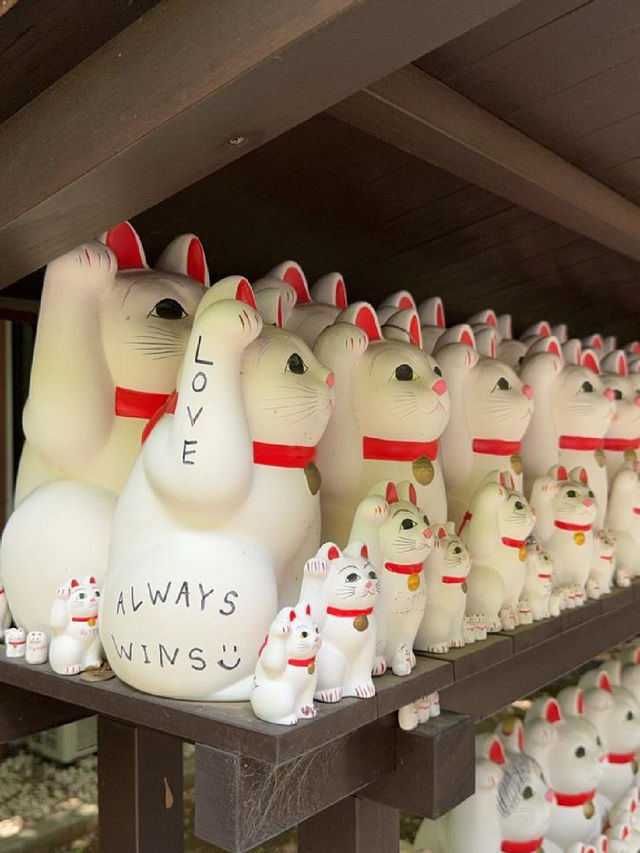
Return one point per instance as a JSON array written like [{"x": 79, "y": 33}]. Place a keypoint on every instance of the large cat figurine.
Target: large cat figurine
[
  {"x": 495, "y": 529},
  {"x": 5, "y": 613},
  {"x": 445, "y": 576},
  {"x": 397, "y": 547},
  {"x": 622, "y": 441},
  {"x": 343, "y": 589},
  {"x": 572, "y": 415},
  {"x": 303, "y": 310},
  {"x": 566, "y": 508},
  {"x": 391, "y": 407},
  {"x": 490, "y": 411},
  {"x": 110, "y": 338},
  {"x": 189, "y": 598},
  {"x": 75, "y": 644},
  {"x": 623, "y": 518}
]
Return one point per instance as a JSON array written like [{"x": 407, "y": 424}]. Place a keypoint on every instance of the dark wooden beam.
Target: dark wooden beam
[
  {"x": 22, "y": 714},
  {"x": 186, "y": 89},
  {"x": 354, "y": 825},
  {"x": 420, "y": 115}
]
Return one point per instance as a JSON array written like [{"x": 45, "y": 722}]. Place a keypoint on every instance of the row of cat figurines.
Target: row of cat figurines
[
  {"x": 562, "y": 779},
  {"x": 229, "y": 463}
]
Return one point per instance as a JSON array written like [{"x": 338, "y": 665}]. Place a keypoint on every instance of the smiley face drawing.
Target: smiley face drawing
[{"x": 222, "y": 663}]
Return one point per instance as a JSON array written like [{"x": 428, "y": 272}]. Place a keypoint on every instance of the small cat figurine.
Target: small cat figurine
[
  {"x": 445, "y": 574},
  {"x": 286, "y": 673},
  {"x": 623, "y": 518},
  {"x": 604, "y": 562},
  {"x": 495, "y": 529},
  {"x": 5, "y": 613},
  {"x": 75, "y": 642},
  {"x": 343, "y": 586},
  {"x": 15, "y": 642},
  {"x": 397, "y": 547},
  {"x": 566, "y": 510},
  {"x": 37, "y": 647},
  {"x": 490, "y": 411},
  {"x": 622, "y": 441},
  {"x": 391, "y": 407},
  {"x": 538, "y": 585}
]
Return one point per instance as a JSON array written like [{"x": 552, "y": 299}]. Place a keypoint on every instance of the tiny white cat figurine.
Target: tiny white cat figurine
[
  {"x": 538, "y": 585},
  {"x": 572, "y": 415},
  {"x": 37, "y": 650},
  {"x": 397, "y": 547},
  {"x": 391, "y": 407},
  {"x": 495, "y": 529},
  {"x": 75, "y": 642},
  {"x": 15, "y": 642},
  {"x": 343, "y": 588},
  {"x": 286, "y": 672},
  {"x": 5, "y": 613},
  {"x": 490, "y": 411},
  {"x": 623, "y": 518},
  {"x": 566, "y": 509},
  {"x": 622, "y": 441},
  {"x": 445, "y": 576},
  {"x": 604, "y": 563},
  {"x": 303, "y": 310}
]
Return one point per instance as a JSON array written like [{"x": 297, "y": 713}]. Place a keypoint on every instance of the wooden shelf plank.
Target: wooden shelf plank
[
  {"x": 420, "y": 115},
  {"x": 162, "y": 104}
]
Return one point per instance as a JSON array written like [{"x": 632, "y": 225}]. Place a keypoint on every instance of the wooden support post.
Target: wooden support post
[
  {"x": 354, "y": 825},
  {"x": 140, "y": 789}
]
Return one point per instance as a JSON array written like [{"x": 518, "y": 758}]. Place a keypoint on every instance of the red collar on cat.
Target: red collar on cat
[
  {"x": 621, "y": 757},
  {"x": 348, "y": 614},
  {"x": 621, "y": 443},
  {"x": 398, "y": 451},
  {"x": 452, "y": 579},
  {"x": 570, "y": 800},
  {"x": 137, "y": 404},
  {"x": 283, "y": 455},
  {"x": 513, "y": 543},
  {"x": 93, "y": 619},
  {"x": 496, "y": 447},
  {"x": 545, "y": 577},
  {"x": 522, "y": 846},
  {"x": 564, "y": 525},
  {"x": 400, "y": 569},
  {"x": 305, "y": 662},
  {"x": 580, "y": 442}
]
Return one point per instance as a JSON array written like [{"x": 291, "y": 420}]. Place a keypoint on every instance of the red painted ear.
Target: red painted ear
[
  {"x": 364, "y": 552},
  {"x": 622, "y": 364},
  {"x": 580, "y": 701},
  {"x": 333, "y": 554},
  {"x": 604, "y": 682},
  {"x": 561, "y": 473},
  {"x": 506, "y": 481},
  {"x": 440, "y": 315},
  {"x": 293, "y": 275},
  {"x": 308, "y": 610},
  {"x": 367, "y": 321},
  {"x": 92, "y": 580},
  {"x": 492, "y": 346},
  {"x": 124, "y": 242},
  {"x": 590, "y": 361},
  {"x": 553, "y": 346},
  {"x": 279, "y": 320},
  {"x": 584, "y": 477},
  {"x": 74, "y": 583},
  {"x": 496, "y": 752},
  {"x": 392, "y": 493},
  {"x": 544, "y": 329},
  {"x": 341, "y": 294},
  {"x": 638, "y": 655},
  {"x": 415, "y": 333},
  {"x": 292, "y": 615},
  {"x": 597, "y": 342},
  {"x": 413, "y": 496},
  {"x": 521, "y": 738},
  {"x": 442, "y": 533},
  {"x": 196, "y": 261},
  {"x": 406, "y": 301},
  {"x": 244, "y": 293},
  {"x": 552, "y": 712}
]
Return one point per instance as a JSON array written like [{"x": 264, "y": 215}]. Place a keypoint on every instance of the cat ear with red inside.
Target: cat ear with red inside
[
  {"x": 399, "y": 300},
  {"x": 615, "y": 362},
  {"x": 185, "y": 255},
  {"x": 125, "y": 243},
  {"x": 506, "y": 481},
  {"x": 495, "y": 751},
  {"x": 292, "y": 273},
  {"x": 330, "y": 290},
  {"x": 580, "y": 474},
  {"x": 404, "y": 325},
  {"x": 362, "y": 315},
  {"x": 487, "y": 317},
  {"x": 590, "y": 360},
  {"x": 270, "y": 304},
  {"x": 431, "y": 312},
  {"x": 73, "y": 583},
  {"x": 460, "y": 334},
  {"x": 391, "y": 493}
]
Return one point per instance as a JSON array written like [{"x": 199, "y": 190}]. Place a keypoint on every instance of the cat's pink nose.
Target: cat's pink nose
[
  {"x": 330, "y": 380},
  {"x": 602, "y": 757},
  {"x": 368, "y": 585},
  {"x": 527, "y": 390},
  {"x": 440, "y": 387},
  {"x": 587, "y": 502},
  {"x": 550, "y": 797},
  {"x": 427, "y": 533},
  {"x": 608, "y": 393},
  {"x": 636, "y": 401}
]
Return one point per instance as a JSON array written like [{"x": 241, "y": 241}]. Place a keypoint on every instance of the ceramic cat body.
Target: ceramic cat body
[
  {"x": 571, "y": 755},
  {"x": 498, "y": 523},
  {"x": 604, "y": 562},
  {"x": 571, "y": 417},
  {"x": 490, "y": 411},
  {"x": 189, "y": 599},
  {"x": 37, "y": 649},
  {"x": 397, "y": 547},
  {"x": 622, "y": 441},
  {"x": 623, "y": 518},
  {"x": 391, "y": 407},
  {"x": 343, "y": 588},
  {"x": 5, "y": 613},
  {"x": 566, "y": 509},
  {"x": 286, "y": 672},
  {"x": 538, "y": 585},
  {"x": 15, "y": 642},
  {"x": 75, "y": 642},
  {"x": 445, "y": 577}
]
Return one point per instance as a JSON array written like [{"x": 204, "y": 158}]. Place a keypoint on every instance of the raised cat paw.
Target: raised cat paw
[
  {"x": 307, "y": 711},
  {"x": 333, "y": 695},
  {"x": 365, "y": 690},
  {"x": 315, "y": 567},
  {"x": 227, "y": 324},
  {"x": 63, "y": 591},
  {"x": 379, "y": 666},
  {"x": 88, "y": 264}
]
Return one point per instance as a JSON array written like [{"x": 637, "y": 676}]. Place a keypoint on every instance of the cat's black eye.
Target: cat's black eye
[
  {"x": 457, "y": 550},
  {"x": 580, "y": 752},
  {"x": 168, "y": 309},
  {"x": 96, "y": 593},
  {"x": 373, "y": 575},
  {"x": 352, "y": 578},
  {"x": 629, "y": 715},
  {"x": 587, "y": 386},
  {"x": 317, "y": 630},
  {"x": 408, "y": 523},
  {"x": 305, "y": 634},
  {"x": 437, "y": 371},
  {"x": 296, "y": 363},
  {"x": 592, "y": 495},
  {"x": 404, "y": 372},
  {"x": 519, "y": 505},
  {"x": 502, "y": 384},
  {"x": 82, "y": 595},
  {"x": 617, "y": 393},
  {"x": 425, "y": 519},
  {"x": 599, "y": 740},
  {"x": 571, "y": 493},
  {"x": 527, "y": 793}
]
